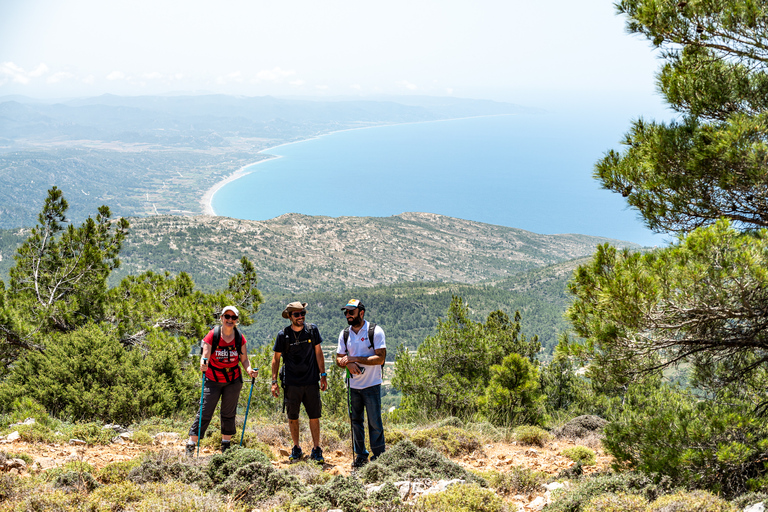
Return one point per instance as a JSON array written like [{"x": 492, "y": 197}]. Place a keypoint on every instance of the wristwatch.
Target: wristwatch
[
  {"x": 274, "y": 381},
  {"x": 323, "y": 374}
]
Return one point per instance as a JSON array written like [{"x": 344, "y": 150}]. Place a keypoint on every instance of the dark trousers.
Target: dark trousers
[
  {"x": 368, "y": 400},
  {"x": 229, "y": 394}
]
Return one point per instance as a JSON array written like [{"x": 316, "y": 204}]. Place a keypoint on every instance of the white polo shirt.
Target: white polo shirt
[{"x": 358, "y": 346}]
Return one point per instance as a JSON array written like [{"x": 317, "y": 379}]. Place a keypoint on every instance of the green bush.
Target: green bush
[
  {"x": 697, "y": 443},
  {"x": 694, "y": 501},
  {"x": 117, "y": 472},
  {"x": 37, "y": 433},
  {"x": 406, "y": 460},
  {"x": 342, "y": 492},
  {"x": 576, "y": 498},
  {"x": 25, "y": 407},
  {"x": 450, "y": 440},
  {"x": 616, "y": 503},
  {"x": 76, "y": 481},
  {"x": 580, "y": 454},
  {"x": 115, "y": 496},
  {"x": 460, "y": 498},
  {"x": 309, "y": 473},
  {"x": 527, "y": 434},
  {"x": 88, "y": 373},
  {"x": 258, "y": 481},
  {"x": 517, "y": 480},
  {"x": 23, "y": 456},
  {"x": 513, "y": 396},
  {"x": 91, "y": 433},
  {"x": 222, "y": 465}
]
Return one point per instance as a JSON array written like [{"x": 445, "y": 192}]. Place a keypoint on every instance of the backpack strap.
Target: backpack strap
[{"x": 217, "y": 339}]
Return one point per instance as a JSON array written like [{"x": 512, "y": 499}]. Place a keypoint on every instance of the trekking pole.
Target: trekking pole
[
  {"x": 253, "y": 380},
  {"x": 200, "y": 416},
  {"x": 349, "y": 411}
]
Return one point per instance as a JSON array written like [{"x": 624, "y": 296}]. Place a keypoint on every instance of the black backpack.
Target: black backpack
[{"x": 371, "y": 329}]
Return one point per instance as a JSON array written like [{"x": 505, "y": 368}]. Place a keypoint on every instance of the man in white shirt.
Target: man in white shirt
[{"x": 362, "y": 350}]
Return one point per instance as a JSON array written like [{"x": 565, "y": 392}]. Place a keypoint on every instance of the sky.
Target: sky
[{"x": 506, "y": 50}]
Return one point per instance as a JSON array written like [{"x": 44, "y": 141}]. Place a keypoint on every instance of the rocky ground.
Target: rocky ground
[{"x": 499, "y": 456}]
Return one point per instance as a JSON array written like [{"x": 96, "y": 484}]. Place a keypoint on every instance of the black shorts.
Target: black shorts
[{"x": 307, "y": 395}]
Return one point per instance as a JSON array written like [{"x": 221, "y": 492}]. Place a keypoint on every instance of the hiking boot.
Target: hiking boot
[
  {"x": 225, "y": 446},
  {"x": 190, "y": 449},
  {"x": 374, "y": 457},
  {"x": 317, "y": 455},
  {"x": 296, "y": 454},
  {"x": 359, "y": 462}
]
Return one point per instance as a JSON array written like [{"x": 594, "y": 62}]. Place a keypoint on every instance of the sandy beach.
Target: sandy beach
[{"x": 207, "y": 201}]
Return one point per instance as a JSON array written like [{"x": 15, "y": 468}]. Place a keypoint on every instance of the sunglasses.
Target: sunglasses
[
  {"x": 349, "y": 312},
  {"x": 298, "y": 314},
  {"x": 230, "y": 317}
]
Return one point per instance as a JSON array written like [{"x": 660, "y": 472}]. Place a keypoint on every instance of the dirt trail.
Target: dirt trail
[{"x": 499, "y": 456}]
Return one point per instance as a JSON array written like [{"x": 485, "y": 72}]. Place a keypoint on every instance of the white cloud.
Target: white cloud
[
  {"x": 153, "y": 76},
  {"x": 59, "y": 77},
  {"x": 321, "y": 87},
  {"x": 405, "y": 84},
  {"x": 10, "y": 71},
  {"x": 235, "y": 76},
  {"x": 89, "y": 79},
  {"x": 116, "y": 75},
  {"x": 356, "y": 87},
  {"x": 273, "y": 75},
  {"x": 297, "y": 83},
  {"x": 449, "y": 91}
]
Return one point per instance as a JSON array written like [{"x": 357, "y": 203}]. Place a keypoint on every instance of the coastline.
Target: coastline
[{"x": 207, "y": 200}]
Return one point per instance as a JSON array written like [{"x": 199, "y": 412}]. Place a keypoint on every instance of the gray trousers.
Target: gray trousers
[{"x": 229, "y": 394}]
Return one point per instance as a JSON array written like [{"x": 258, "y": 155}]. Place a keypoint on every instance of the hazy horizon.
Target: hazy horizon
[{"x": 515, "y": 51}]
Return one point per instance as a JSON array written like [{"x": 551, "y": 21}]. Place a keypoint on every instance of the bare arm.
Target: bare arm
[
  {"x": 247, "y": 365},
  {"x": 321, "y": 364},
  {"x": 275, "y": 369},
  {"x": 380, "y": 355}
]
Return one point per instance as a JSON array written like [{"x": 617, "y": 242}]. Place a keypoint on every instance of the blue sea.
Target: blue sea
[{"x": 528, "y": 171}]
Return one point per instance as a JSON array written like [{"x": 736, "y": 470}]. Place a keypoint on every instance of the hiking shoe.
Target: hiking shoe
[
  {"x": 190, "y": 449},
  {"x": 296, "y": 454},
  {"x": 225, "y": 446},
  {"x": 317, "y": 455},
  {"x": 359, "y": 462}
]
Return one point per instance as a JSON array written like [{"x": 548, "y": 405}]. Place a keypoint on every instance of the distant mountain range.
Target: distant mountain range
[
  {"x": 158, "y": 154},
  {"x": 406, "y": 267}
]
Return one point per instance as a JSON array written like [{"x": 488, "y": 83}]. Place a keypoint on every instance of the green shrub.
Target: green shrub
[
  {"x": 116, "y": 496},
  {"x": 167, "y": 465},
  {"x": 697, "y": 443},
  {"x": 37, "y": 433},
  {"x": 309, "y": 473},
  {"x": 393, "y": 436},
  {"x": 749, "y": 499},
  {"x": 694, "y": 501},
  {"x": 70, "y": 378},
  {"x": 450, "y": 440},
  {"x": 91, "y": 433},
  {"x": 527, "y": 434},
  {"x": 76, "y": 481},
  {"x": 25, "y": 407},
  {"x": 141, "y": 437},
  {"x": 222, "y": 465},
  {"x": 517, "y": 480},
  {"x": 258, "y": 481},
  {"x": 408, "y": 461},
  {"x": 616, "y": 503},
  {"x": 461, "y": 498},
  {"x": 23, "y": 456},
  {"x": 513, "y": 396},
  {"x": 577, "y": 497},
  {"x": 343, "y": 492},
  {"x": 580, "y": 454},
  {"x": 116, "y": 472}
]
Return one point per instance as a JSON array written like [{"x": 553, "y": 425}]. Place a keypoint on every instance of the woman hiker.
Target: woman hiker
[{"x": 223, "y": 350}]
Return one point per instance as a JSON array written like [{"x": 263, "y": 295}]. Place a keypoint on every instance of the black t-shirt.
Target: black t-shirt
[{"x": 298, "y": 352}]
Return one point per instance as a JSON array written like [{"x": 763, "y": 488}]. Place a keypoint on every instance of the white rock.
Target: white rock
[
  {"x": 13, "y": 436},
  {"x": 757, "y": 507},
  {"x": 553, "y": 486},
  {"x": 77, "y": 441},
  {"x": 16, "y": 463},
  {"x": 538, "y": 504},
  {"x": 28, "y": 421}
]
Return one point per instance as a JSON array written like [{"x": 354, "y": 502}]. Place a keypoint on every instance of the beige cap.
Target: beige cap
[{"x": 294, "y": 306}]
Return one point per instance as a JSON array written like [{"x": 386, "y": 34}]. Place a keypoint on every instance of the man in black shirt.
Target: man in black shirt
[{"x": 299, "y": 346}]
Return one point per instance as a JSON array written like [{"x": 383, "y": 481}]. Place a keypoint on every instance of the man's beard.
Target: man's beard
[{"x": 354, "y": 322}]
